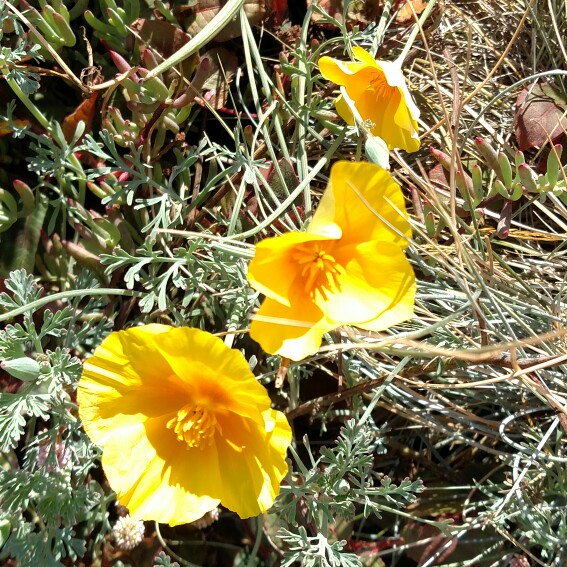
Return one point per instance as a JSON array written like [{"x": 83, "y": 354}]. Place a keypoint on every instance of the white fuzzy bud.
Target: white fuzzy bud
[{"x": 127, "y": 532}]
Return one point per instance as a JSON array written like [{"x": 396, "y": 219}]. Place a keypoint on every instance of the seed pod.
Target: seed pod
[{"x": 26, "y": 369}]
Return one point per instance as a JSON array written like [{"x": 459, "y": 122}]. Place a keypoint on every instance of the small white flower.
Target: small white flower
[{"x": 127, "y": 532}]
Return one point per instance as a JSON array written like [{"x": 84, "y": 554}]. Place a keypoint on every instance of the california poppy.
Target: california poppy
[
  {"x": 183, "y": 425},
  {"x": 348, "y": 268},
  {"x": 378, "y": 92}
]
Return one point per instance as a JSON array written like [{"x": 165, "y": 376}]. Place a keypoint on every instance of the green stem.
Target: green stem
[
  {"x": 293, "y": 381},
  {"x": 303, "y": 91},
  {"x": 37, "y": 344},
  {"x": 382, "y": 27},
  {"x": 81, "y": 177},
  {"x": 380, "y": 390},
  {"x": 27, "y": 102},
  {"x": 444, "y": 526},
  {"x": 359, "y": 141},
  {"x": 34, "y": 305},
  {"x": 257, "y": 541}
]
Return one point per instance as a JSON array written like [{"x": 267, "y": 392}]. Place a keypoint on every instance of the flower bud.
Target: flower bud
[{"x": 25, "y": 368}]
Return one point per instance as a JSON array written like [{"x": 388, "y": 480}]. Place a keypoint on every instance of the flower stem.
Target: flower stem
[
  {"x": 27, "y": 102},
  {"x": 259, "y": 532},
  {"x": 66, "y": 295}
]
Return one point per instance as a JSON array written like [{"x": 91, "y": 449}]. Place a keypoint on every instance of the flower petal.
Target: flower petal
[
  {"x": 105, "y": 412},
  {"x": 378, "y": 284},
  {"x": 362, "y": 55},
  {"x": 366, "y": 202},
  {"x": 389, "y": 113},
  {"x": 395, "y": 124},
  {"x": 395, "y": 78},
  {"x": 408, "y": 129},
  {"x": 152, "y": 469},
  {"x": 131, "y": 439},
  {"x": 215, "y": 376},
  {"x": 393, "y": 111},
  {"x": 257, "y": 456},
  {"x": 127, "y": 355},
  {"x": 362, "y": 82},
  {"x": 343, "y": 110},
  {"x": 158, "y": 478},
  {"x": 273, "y": 270},
  {"x": 293, "y": 332},
  {"x": 337, "y": 71},
  {"x": 115, "y": 391},
  {"x": 374, "y": 108}
]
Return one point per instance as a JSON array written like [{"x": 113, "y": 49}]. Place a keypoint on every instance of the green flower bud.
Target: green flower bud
[{"x": 25, "y": 368}]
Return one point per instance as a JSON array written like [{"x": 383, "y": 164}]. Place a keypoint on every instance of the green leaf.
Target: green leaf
[{"x": 13, "y": 409}]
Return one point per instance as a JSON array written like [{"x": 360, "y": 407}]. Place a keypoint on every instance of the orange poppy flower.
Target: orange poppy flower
[
  {"x": 378, "y": 92},
  {"x": 348, "y": 268},
  {"x": 183, "y": 425}
]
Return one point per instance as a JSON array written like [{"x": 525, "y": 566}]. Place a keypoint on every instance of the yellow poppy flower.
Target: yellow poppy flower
[
  {"x": 347, "y": 268},
  {"x": 183, "y": 425},
  {"x": 379, "y": 94}
]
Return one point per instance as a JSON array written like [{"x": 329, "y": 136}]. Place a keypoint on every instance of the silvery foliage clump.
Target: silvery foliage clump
[
  {"x": 51, "y": 509},
  {"x": 338, "y": 484}
]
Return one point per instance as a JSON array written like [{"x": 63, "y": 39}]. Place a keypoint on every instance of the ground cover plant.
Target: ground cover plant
[{"x": 282, "y": 283}]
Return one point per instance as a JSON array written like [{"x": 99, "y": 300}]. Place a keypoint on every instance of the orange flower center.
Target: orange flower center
[
  {"x": 194, "y": 425},
  {"x": 380, "y": 86},
  {"x": 320, "y": 270}
]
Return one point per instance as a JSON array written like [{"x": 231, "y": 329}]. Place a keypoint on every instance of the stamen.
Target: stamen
[
  {"x": 380, "y": 86},
  {"x": 320, "y": 271},
  {"x": 194, "y": 425}
]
